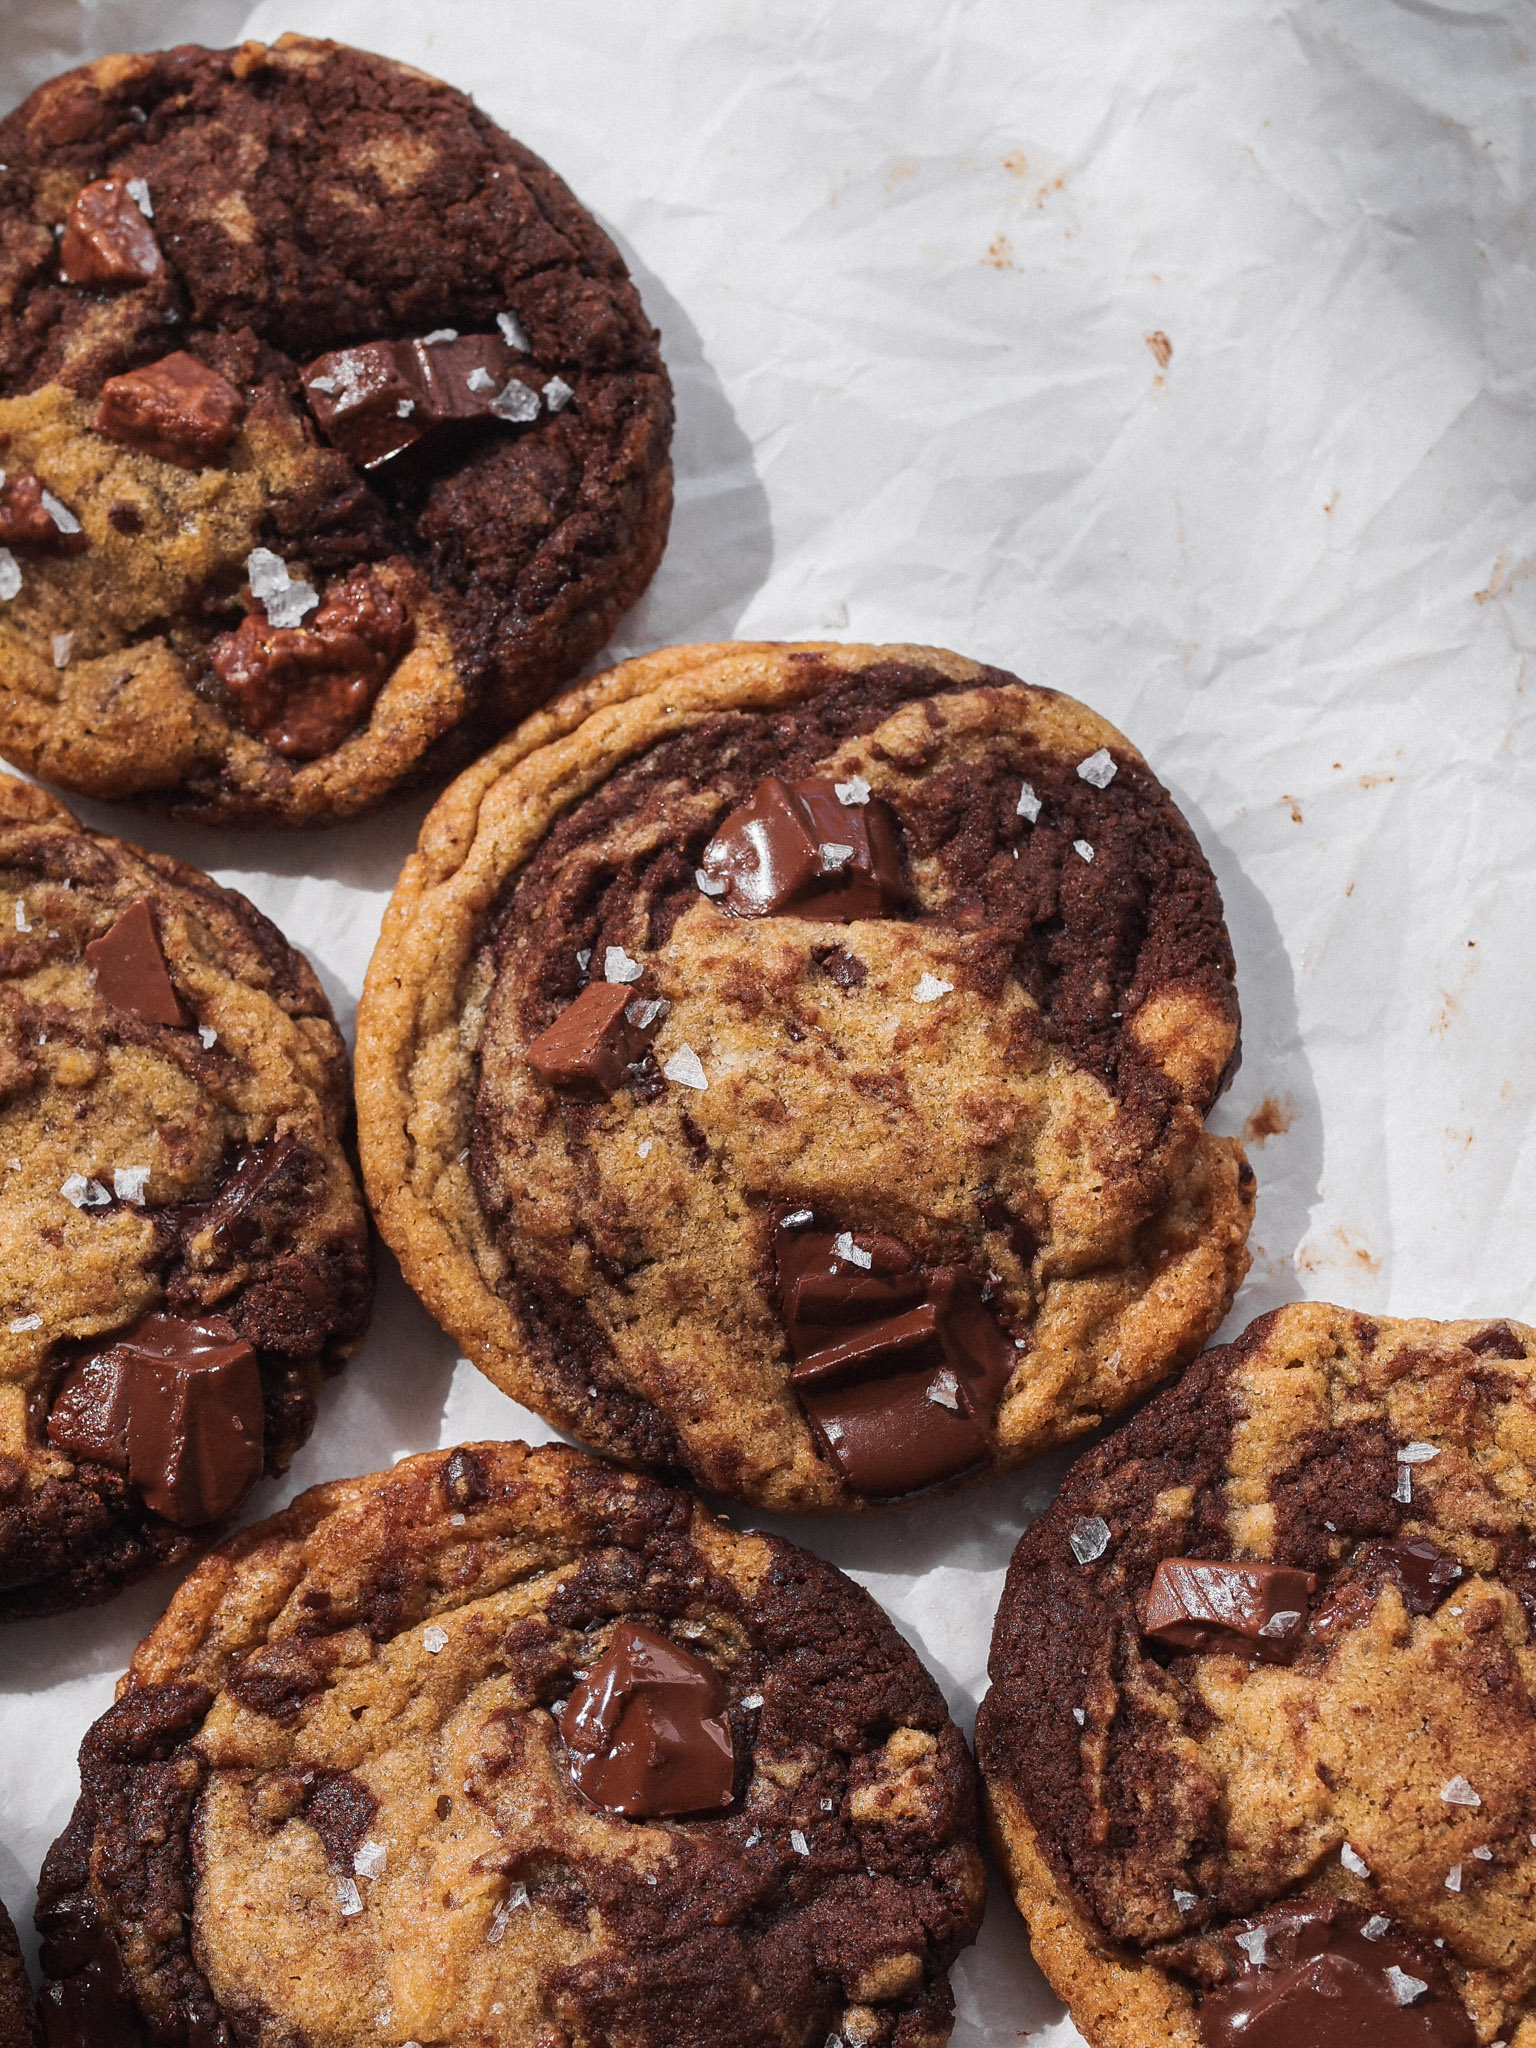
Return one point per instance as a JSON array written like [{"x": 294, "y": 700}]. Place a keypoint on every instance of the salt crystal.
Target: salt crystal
[
  {"x": 1459, "y": 1793},
  {"x": 1089, "y": 1539},
  {"x": 63, "y": 647},
  {"x": 516, "y": 403},
  {"x": 513, "y": 332},
  {"x": 851, "y": 1254},
  {"x": 617, "y": 965},
  {"x": 686, "y": 1068},
  {"x": 1185, "y": 1901},
  {"x": 404, "y": 407},
  {"x": 1253, "y": 1945},
  {"x": 1403, "y": 1491},
  {"x": 754, "y": 1838},
  {"x": 1098, "y": 769},
  {"x": 930, "y": 988},
  {"x": 479, "y": 378},
  {"x": 21, "y": 915},
  {"x": 854, "y": 791},
  {"x": 1281, "y": 1622},
  {"x": 85, "y": 1194},
  {"x": 558, "y": 394},
  {"x": 1453, "y": 1878},
  {"x": 325, "y": 384},
  {"x": 797, "y": 1219},
  {"x": 434, "y": 1638},
  {"x": 798, "y": 1843},
  {"x": 709, "y": 887},
  {"x": 752, "y": 1701},
  {"x": 348, "y": 1897},
  {"x": 516, "y": 1897},
  {"x": 60, "y": 514},
  {"x": 1483, "y": 1855},
  {"x": 208, "y": 1035},
  {"x": 128, "y": 1183},
  {"x": 1353, "y": 1861},
  {"x": 1405, "y": 1989},
  {"x": 138, "y": 192},
  {"x": 1417, "y": 1453},
  {"x": 644, "y": 1148},
  {"x": 1082, "y": 849},
  {"x": 1079, "y": 1717},
  {"x": 643, "y": 1014},
  {"x": 439, "y": 334},
  {"x": 584, "y": 958},
  {"x": 834, "y": 855},
  {"x": 286, "y": 602},
  {"x": 945, "y": 1391},
  {"x": 1376, "y": 1927},
  {"x": 457, "y": 1521},
  {"x": 1028, "y": 805},
  {"x": 26, "y": 1323},
  {"x": 370, "y": 1859}
]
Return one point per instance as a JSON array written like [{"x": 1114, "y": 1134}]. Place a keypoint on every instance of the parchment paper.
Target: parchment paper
[{"x": 1178, "y": 357}]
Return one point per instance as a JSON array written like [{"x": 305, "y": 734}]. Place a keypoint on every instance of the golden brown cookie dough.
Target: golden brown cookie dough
[
  {"x": 1002, "y": 1075},
  {"x": 212, "y": 596},
  {"x": 18, "y": 2015},
  {"x": 183, "y": 1249},
  {"x": 1170, "y": 1815},
  {"x": 333, "y": 1803}
]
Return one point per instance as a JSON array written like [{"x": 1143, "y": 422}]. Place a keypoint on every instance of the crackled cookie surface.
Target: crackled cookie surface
[
  {"x": 787, "y": 1065},
  {"x": 1260, "y": 1749},
  {"x": 337, "y": 1800},
  {"x": 18, "y": 2017},
  {"x": 185, "y": 1252},
  {"x": 333, "y": 434}
]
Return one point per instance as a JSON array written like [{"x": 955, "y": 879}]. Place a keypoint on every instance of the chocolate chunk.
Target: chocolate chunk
[
  {"x": 130, "y": 969},
  {"x": 1322, "y": 1984},
  {"x": 646, "y": 1729},
  {"x": 821, "y": 1291},
  {"x": 88, "y": 2000},
  {"x": 794, "y": 850},
  {"x": 177, "y": 1405},
  {"x": 899, "y": 1433},
  {"x": 340, "y": 1808},
  {"x": 1422, "y": 1573},
  {"x": 1259, "y": 1610},
  {"x": 378, "y": 399},
  {"x": 592, "y": 1041},
  {"x": 303, "y": 689},
  {"x": 841, "y": 967},
  {"x": 106, "y": 239},
  {"x": 231, "y": 1221},
  {"x": 177, "y": 409},
  {"x": 26, "y": 521}
]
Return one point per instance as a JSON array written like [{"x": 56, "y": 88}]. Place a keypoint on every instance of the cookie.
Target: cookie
[
  {"x": 1260, "y": 1748},
  {"x": 334, "y": 434},
  {"x": 184, "y": 1250},
  {"x": 786, "y": 1066},
  {"x": 506, "y": 1746},
  {"x": 18, "y": 2014}
]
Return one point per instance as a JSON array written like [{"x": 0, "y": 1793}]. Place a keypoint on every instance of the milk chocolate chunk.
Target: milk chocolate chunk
[
  {"x": 898, "y": 1433},
  {"x": 130, "y": 969},
  {"x": 303, "y": 689},
  {"x": 175, "y": 1404},
  {"x": 379, "y": 398},
  {"x": 28, "y": 521},
  {"x": 1322, "y": 1984},
  {"x": 106, "y": 239},
  {"x": 177, "y": 409},
  {"x": 1259, "y": 1610},
  {"x": 795, "y": 850},
  {"x": 646, "y": 1729},
  {"x": 592, "y": 1041},
  {"x": 822, "y": 1290}
]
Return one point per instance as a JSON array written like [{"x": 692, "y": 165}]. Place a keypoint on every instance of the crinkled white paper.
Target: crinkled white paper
[{"x": 1179, "y": 357}]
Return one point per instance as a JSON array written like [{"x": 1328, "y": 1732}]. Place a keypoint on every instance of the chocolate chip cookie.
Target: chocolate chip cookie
[
  {"x": 507, "y": 1746},
  {"x": 1260, "y": 1749},
  {"x": 18, "y": 2015},
  {"x": 786, "y": 1065},
  {"x": 185, "y": 1252},
  {"x": 333, "y": 434}
]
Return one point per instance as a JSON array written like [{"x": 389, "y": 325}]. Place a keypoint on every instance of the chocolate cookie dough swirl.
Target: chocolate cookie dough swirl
[
  {"x": 787, "y": 1065},
  {"x": 18, "y": 2015},
  {"x": 509, "y": 1747},
  {"x": 1260, "y": 1749},
  {"x": 185, "y": 1250},
  {"x": 333, "y": 435}
]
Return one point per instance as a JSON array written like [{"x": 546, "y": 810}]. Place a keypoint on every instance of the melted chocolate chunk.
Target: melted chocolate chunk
[
  {"x": 795, "y": 851},
  {"x": 88, "y": 2002},
  {"x": 1422, "y": 1573},
  {"x": 130, "y": 969},
  {"x": 899, "y": 1433},
  {"x": 1321, "y": 1984},
  {"x": 822, "y": 1291},
  {"x": 378, "y": 399},
  {"x": 1259, "y": 1610},
  {"x": 177, "y": 409},
  {"x": 106, "y": 239},
  {"x": 646, "y": 1729},
  {"x": 26, "y": 521},
  {"x": 303, "y": 689},
  {"x": 592, "y": 1041},
  {"x": 175, "y": 1404}
]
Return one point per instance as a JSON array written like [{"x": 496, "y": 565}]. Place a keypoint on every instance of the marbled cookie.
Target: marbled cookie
[
  {"x": 1260, "y": 1749},
  {"x": 786, "y": 1065},
  {"x": 509, "y": 1747},
  {"x": 333, "y": 434},
  {"x": 183, "y": 1249},
  {"x": 18, "y": 2014}
]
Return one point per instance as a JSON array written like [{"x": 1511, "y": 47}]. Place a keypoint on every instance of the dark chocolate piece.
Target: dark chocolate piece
[
  {"x": 899, "y": 1433},
  {"x": 26, "y": 522},
  {"x": 106, "y": 239},
  {"x": 1257, "y": 1609},
  {"x": 303, "y": 689},
  {"x": 88, "y": 2001},
  {"x": 230, "y": 1217},
  {"x": 379, "y": 398},
  {"x": 592, "y": 1041},
  {"x": 821, "y": 1292},
  {"x": 340, "y": 1808},
  {"x": 646, "y": 1729},
  {"x": 175, "y": 1404},
  {"x": 130, "y": 969},
  {"x": 177, "y": 409},
  {"x": 1422, "y": 1573},
  {"x": 1322, "y": 1984},
  {"x": 795, "y": 850}
]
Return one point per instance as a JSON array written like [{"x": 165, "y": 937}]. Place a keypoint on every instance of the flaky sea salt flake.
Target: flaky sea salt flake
[
  {"x": 63, "y": 647},
  {"x": 434, "y": 1638},
  {"x": 834, "y": 855},
  {"x": 1185, "y": 1901},
  {"x": 85, "y": 1194},
  {"x": 558, "y": 394},
  {"x": 1082, "y": 849},
  {"x": 439, "y": 334},
  {"x": 286, "y": 601},
  {"x": 513, "y": 332},
  {"x": 851, "y": 1254},
  {"x": 686, "y": 1069},
  {"x": 516, "y": 403},
  {"x": 1089, "y": 1539},
  {"x": 348, "y": 1897},
  {"x": 1028, "y": 805},
  {"x": 798, "y": 1843},
  {"x": 10, "y": 575},
  {"x": 21, "y": 915},
  {"x": 480, "y": 378},
  {"x": 1405, "y": 1989},
  {"x": 1080, "y": 1717},
  {"x": 1098, "y": 769},
  {"x": 1353, "y": 1861},
  {"x": 644, "y": 1148},
  {"x": 1483, "y": 1855},
  {"x": 709, "y": 886},
  {"x": 752, "y": 1701},
  {"x": 643, "y": 1012},
  {"x": 1281, "y": 1622},
  {"x": 128, "y": 1183},
  {"x": 930, "y": 988},
  {"x": 1459, "y": 1793},
  {"x": 1376, "y": 1927},
  {"x": 854, "y": 791},
  {"x": 60, "y": 513},
  {"x": 797, "y": 1219},
  {"x": 370, "y": 1859},
  {"x": 325, "y": 384},
  {"x": 1253, "y": 1945},
  {"x": 138, "y": 192},
  {"x": 1453, "y": 1878},
  {"x": 1417, "y": 1453},
  {"x": 208, "y": 1035},
  {"x": 944, "y": 1391},
  {"x": 617, "y": 965},
  {"x": 1402, "y": 1493},
  {"x": 24, "y": 1323}
]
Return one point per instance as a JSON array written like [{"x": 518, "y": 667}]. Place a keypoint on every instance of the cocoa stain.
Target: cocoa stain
[
  {"x": 1160, "y": 346},
  {"x": 999, "y": 254},
  {"x": 1295, "y": 804},
  {"x": 1270, "y": 1118},
  {"x": 1016, "y": 164},
  {"x": 1328, "y": 508},
  {"x": 1375, "y": 781},
  {"x": 1347, "y": 1247}
]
